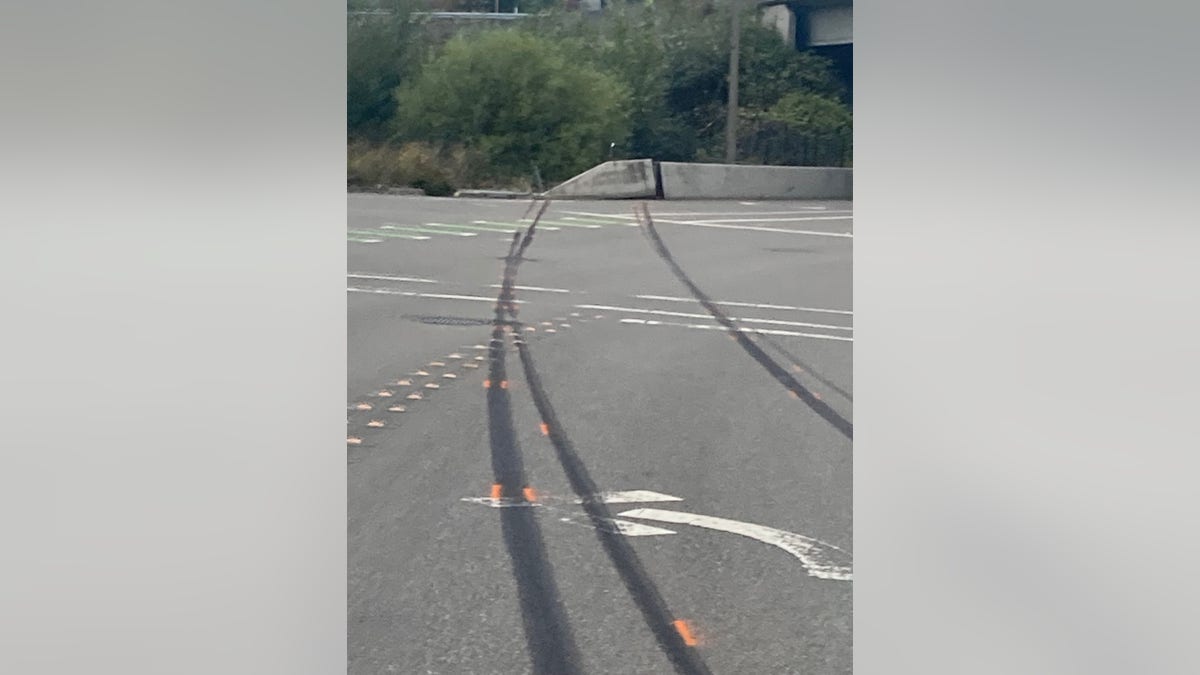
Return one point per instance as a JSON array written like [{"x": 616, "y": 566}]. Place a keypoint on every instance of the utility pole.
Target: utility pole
[{"x": 731, "y": 119}]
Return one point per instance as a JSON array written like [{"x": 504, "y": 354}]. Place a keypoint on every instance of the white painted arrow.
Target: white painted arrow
[
  {"x": 634, "y": 497},
  {"x": 822, "y": 560}
]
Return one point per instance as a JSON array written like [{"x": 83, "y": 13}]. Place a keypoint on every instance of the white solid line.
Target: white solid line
[
  {"x": 653, "y": 214},
  {"x": 816, "y": 233},
  {"x": 534, "y": 288},
  {"x": 600, "y": 215},
  {"x": 822, "y": 560},
  {"x": 416, "y": 228},
  {"x": 504, "y": 223},
  {"x": 634, "y": 497},
  {"x": 385, "y": 277},
  {"x": 770, "y": 220},
  {"x": 366, "y": 241},
  {"x": 414, "y": 294},
  {"x": 687, "y": 315},
  {"x": 731, "y": 303},
  {"x": 756, "y": 331}
]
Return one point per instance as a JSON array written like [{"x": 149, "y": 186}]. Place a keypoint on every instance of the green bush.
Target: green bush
[
  {"x": 519, "y": 101},
  {"x": 437, "y": 171},
  {"x": 811, "y": 112}
]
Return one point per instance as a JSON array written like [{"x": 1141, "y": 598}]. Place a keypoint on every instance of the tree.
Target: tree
[
  {"x": 381, "y": 51},
  {"x": 519, "y": 101}
]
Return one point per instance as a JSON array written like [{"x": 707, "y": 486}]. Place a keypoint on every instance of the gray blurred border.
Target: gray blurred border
[
  {"x": 173, "y": 344},
  {"x": 1025, "y": 337},
  {"x": 174, "y": 349}
]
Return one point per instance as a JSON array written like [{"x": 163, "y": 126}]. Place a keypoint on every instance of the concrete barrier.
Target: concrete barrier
[
  {"x": 735, "y": 181},
  {"x": 622, "y": 179}
]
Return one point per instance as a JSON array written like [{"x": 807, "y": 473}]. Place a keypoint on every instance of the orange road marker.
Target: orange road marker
[
  {"x": 384, "y": 393},
  {"x": 353, "y": 441},
  {"x": 375, "y": 423},
  {"x": 363, "y": 406},
  {"x": 685, "y": 632},
  {"x": 504, "y": 384},
  {"x": 487, "y": 384},
  {"x": 530, "y": 494},
  {"x": 545, "y": 429},
  {"x": 497, "y": 490}
]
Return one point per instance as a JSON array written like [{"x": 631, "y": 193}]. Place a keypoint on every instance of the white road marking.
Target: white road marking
[
  {"x": 534, "y": 288},
  {"x": 755, "y": 331},
  {"x": 820, "y": 559},
  {"x": 413, "y": 228},
  {"x": 653, "y": 214},
  {"x": 414, "y": 294},
  {"x": 688, "y": 315},
  {"x": 816, "y": 233},
  {"x": 634, "y": 497},
  {"x": 770, "y": 220},
  {"x": 385, "y": 277},
  {"x": 731, "y": 303},
  {"x": 625, "y": 527},
  {"x": 499, "y": 503},
  {"x": 514, "y": 224},
  {"x": 365, "y": 241}
]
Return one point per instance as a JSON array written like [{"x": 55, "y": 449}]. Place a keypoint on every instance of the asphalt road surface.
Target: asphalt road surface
[{"x": 644, "y": 468}]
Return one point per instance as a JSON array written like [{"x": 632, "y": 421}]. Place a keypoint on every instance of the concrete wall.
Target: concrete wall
[
  {"x": 622, "y": 179},
  {"x": 732, "y": 181},
  {"x": 781, "y": 18},
  {"x": 830, "y": 26}
]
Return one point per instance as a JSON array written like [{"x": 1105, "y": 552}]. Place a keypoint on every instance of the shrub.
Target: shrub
[{"x": 518, "y": 101}]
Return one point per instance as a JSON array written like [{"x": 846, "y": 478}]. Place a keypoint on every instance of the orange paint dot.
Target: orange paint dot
[
  {"x": 530, "y": 494},
  {"x": 545, "y": 429},
  {"x": 487, "y": 384},
  {"x": 504, "y": 384},
  {"x": 685, "y": 632},
  {"x": 793, "y": 394},
  {"x": 497, "y": 490}
]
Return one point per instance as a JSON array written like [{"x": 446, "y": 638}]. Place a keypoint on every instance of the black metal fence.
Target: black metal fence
[{"x": 780, "y": 143}]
